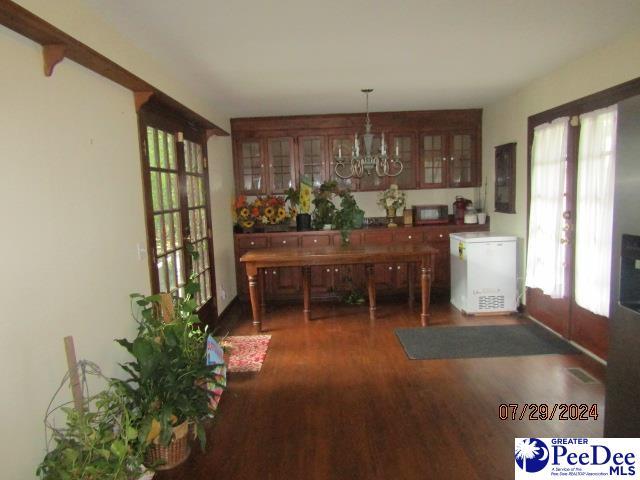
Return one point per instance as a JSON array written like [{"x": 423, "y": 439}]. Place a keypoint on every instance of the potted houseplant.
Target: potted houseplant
[
  {"x": 292, "y": 197},
  {"x": 167, "y": 376},
  {"x": 323, "y": 215},
  {"x": 391, "y": 200},
  {"x": 349, "y": 216},
  {"x": 100, "y": 441}
]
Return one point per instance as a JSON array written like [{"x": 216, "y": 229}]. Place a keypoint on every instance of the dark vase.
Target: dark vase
[{"x": 303, "y": 222}]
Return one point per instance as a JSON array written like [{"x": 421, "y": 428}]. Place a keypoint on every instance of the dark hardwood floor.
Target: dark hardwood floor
[{"x": 337, "y": 398}]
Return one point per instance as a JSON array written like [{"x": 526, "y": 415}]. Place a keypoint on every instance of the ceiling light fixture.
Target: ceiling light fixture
[{"x": 357, "y": 164}]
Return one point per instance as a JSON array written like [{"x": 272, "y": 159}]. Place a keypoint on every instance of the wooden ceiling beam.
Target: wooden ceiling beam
[{"x": 57, "y": 45}]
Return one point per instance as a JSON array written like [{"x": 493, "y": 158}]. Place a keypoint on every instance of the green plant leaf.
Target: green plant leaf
[
  {"x": 119, "y": 448},
  {"x": 191, "y": 288}
]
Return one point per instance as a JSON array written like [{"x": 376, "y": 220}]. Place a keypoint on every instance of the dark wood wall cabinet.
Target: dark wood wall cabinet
[
  {"x": 439, "y": 149},
  {"x": 285, "y": 284}
]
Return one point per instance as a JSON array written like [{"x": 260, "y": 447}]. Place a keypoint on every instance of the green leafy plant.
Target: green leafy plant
[
  {"x": 100, "y": 442},
  {"x": 292, "y": 196},
  {"x": 353, "y": 297},
  {"x": 167, "y": 377},
  {"x": 349, "y": 216},
  {"x": 324, "y": 208}
]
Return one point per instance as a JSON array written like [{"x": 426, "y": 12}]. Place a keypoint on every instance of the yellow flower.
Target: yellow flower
[
  {"x": 244, "y": 212},
  {"x": 281, "y": 213},
  {"x": 247, "y": 223},
  {"x": 269, "y": 212}
]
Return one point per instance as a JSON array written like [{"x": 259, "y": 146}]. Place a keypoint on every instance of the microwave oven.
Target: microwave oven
[{"x": 430, "y": 214}]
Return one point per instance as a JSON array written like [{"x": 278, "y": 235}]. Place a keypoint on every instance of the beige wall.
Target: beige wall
[
  {"x": 72, "y": 218},
  {"x": 506, "y": 120}
]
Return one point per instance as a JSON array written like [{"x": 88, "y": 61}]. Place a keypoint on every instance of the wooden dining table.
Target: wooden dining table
[{"x": 369, "y": 255}]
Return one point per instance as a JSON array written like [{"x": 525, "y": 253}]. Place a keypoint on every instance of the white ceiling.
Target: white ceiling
[{"x": 279, "y": 57}]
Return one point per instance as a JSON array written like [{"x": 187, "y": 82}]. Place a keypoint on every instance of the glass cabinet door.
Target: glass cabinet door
[
  {"x": 251, "y": 166},
  {"x": 404, "y": 145},
  {"x": 312, "y": 159},
  {"x": 462, "y": 155},
  {"x": 281, "y": 164},
  {"x": 346, "y": 144},
  {"x": 433, "y": 161}
]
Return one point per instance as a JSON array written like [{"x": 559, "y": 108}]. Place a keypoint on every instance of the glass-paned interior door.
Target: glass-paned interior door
[
  {"x": 461, "y": 159},
  {"x": 432, "y": 161},
  {"x": 199, "y": 228},
  {"x": 168, "y": 252},
  {"x": 312, "y": 159}
]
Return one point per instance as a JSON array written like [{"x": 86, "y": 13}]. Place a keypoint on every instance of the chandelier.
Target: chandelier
[{"x": 359, "y": 163}]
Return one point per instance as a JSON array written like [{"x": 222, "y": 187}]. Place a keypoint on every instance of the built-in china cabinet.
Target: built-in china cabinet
[{"x": 439, "y": 149}]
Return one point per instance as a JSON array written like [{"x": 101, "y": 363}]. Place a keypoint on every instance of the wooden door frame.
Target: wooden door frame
[
  {"x": 166, "y": 120},
  {"x": 595, "y": 101}
]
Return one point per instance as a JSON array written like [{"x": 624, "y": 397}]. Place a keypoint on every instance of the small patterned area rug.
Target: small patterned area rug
[{"x": 247, "y": 352}]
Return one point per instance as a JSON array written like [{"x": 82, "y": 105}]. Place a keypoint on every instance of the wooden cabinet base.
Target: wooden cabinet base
[{"x": 332, "y": 283}]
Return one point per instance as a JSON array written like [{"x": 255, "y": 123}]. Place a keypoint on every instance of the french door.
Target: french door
[
  {"x": 176, "y": 188},
  {"x": 553, "y": 300}
]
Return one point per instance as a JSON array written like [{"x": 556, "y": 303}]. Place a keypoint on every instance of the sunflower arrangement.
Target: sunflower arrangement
[
  {"x": 274, "y": 210},
  {"x": 269, "y": 210},
  {"x": 247, "y": 214}
]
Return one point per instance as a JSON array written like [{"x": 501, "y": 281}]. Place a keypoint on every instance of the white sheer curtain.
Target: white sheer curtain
[
  {"x": 594, "y": 220},
  {"x": 545, "y": 252}
]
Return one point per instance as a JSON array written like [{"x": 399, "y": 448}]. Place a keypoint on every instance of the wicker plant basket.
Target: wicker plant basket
[{"x": 161, "y": 457}]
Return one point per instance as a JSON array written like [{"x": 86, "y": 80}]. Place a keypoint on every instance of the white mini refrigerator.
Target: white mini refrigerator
[{"x": 483, "y": 272}]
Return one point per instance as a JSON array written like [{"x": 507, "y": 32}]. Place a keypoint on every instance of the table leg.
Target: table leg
[
  {"x": 426, "y": 292},
  {"x": 371, "y": 281},
  {"x": 261, "y": 280},
  {"x": 306, "y": 288},
  {"x": 254, "y": 293},
  {"x": 411, "y": 270}
]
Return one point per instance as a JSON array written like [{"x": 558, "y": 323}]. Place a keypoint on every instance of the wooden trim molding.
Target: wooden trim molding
[
  {"x": 57, "y": 45},
  {"x": 52, "y": 55}
]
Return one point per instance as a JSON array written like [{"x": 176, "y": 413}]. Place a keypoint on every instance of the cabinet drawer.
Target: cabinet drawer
[
  {"x": 381, "y": 237},
  {"x": 436, "y": 236},
  {"x": 284, "y": 241},
  {"x": 407, "y": 237},
  {"x": 315, "y": 240},
  {"x": 354, "y": 239},
  {"x": 252, "y": 242}
]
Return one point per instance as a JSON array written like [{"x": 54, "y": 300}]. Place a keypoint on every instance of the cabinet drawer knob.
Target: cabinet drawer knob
[
  {"x": 441, "y": 235},
  {"x": 253, "y": 243},
  {"x": 328, "y": 270},
  {"x": 274, "y": 272},
  {"x": 315, "y": 240},
  {"x": 284, "y": 242},
  {"x": 409, "y": 237},
  {"x": 390, "y": 268},
  {"x": 335, "y": 270},
  {"x": 398, "y": 267}
]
